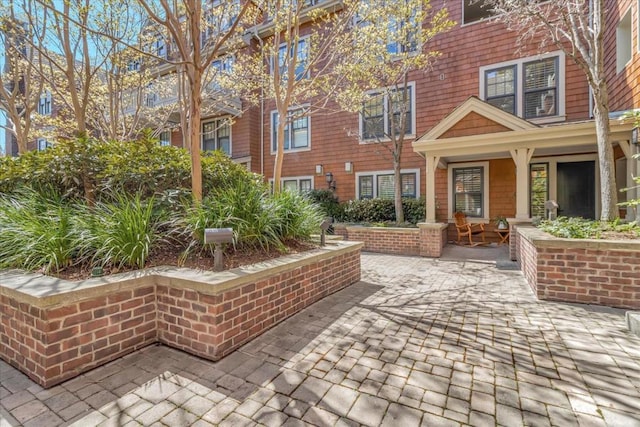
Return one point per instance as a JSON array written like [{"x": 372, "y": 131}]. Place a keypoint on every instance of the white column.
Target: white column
[
  {"x": 430, "y": 177},
  {"x": 521, "y": 157}
]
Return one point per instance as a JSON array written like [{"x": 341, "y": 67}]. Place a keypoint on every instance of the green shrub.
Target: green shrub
[
  {"x": 135, "y": 167},
  {"x": 120, "y": 233},
  {"x": 297, "y": 215},
  {"x": 382, "y": 210},
  {"x": 37, "y": 231},
  {"x": 328, "y": 202},
  {"x": 580, "y": 228}
]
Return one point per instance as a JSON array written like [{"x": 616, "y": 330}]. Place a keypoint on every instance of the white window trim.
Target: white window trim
[
  {"x": 46, "y": 97},
  {"x": 297, "y": 179},
  {"x": 622, "y": 67},
  {"x": 222, "y": 118},
  {"x": 291, "y": 150},
  {"x": 485, "y": 189},
  {"x": 276, "y": 60},
  {"x": 44, "y": 141},
  {"x": 464, "y": 24},
  {"x": 519, "y": 63},
  {"x": 385, "y": 172},
  {"x": 411, "y": 135}
]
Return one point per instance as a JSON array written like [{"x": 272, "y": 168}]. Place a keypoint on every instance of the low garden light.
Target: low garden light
[{"x": 218, "y": 237}]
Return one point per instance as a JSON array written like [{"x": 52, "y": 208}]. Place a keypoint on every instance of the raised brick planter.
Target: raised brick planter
[
  {"x": 602, "y": 272},
  {"x": 427, "y": 240},
  {"x": 53, "y": 330}
]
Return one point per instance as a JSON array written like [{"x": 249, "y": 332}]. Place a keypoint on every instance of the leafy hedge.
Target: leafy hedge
[
  {"x": 580, "y": 228},
  {"x": 134, "y": 167},
  {"x": 382, "y": 210}
]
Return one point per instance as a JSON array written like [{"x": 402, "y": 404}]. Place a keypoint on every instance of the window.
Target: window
[
  {"x": 220, "y": 69},
  {"x": 165, "y": 138},
  {"x": 301, "y": 49},
  {"x": 150, "y": 99},
  {"x": 381, "y": 184},
  {"x": 623, "y": 41},
  {"x": 160, "y": 47},
  {"x": 382, "y": 111},
  {"x": 43, "y": 144},
  {"x": 540, "y": 90},
  {"x": 296, "y": 131},
  {"x": 500, "y": 88},
  {"x": 475, "y": 10},
  {"x": 133, "y": 65},
  {"x": 539, "y": 181},
  {"x": 219, "y": 17},
  {"x": 467, "y": 192},
  {"x": 530, "y": 87},
  {"x": 216, "y": 135},
  {"x": 297, "y": 184},
  {"x": 44, "y": 104},
  {"x": 404, "y": 36}
]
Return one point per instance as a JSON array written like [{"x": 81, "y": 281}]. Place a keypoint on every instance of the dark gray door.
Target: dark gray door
[{"x": 577, "y": 189}]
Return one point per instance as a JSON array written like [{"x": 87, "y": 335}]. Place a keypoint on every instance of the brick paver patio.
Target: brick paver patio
[{"x": 417, "y": 342}]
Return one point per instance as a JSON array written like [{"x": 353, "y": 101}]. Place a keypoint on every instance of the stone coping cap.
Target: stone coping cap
[
  {"x": 381, "y": 229},
  {"x": 46, "y": 291},
  {"x": 542, "y": 239},
  {"x": 433, "y": 225}
]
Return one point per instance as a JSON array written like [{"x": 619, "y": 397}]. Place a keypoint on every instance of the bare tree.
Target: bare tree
[
  {"x": 197, "y": 36},
  {"x": 20, "y": 86},
  {"x": 300, "y": 63},
  {"x": 577, "y": 28},
  {"x": 393, "y": 39}
]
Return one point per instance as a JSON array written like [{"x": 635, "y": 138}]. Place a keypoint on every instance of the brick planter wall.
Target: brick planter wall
[
  {"x": 601, "y": 272},
  {"x": 427, "y": 240},
  {"x": 53, "y": 330}
]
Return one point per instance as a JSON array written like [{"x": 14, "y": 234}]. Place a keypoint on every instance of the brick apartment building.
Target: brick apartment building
[{"x": 495, "y": 130}]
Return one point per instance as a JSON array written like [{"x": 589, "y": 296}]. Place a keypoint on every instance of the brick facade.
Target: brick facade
[
  {"x": 581, "y": 271},
  {"x": 61, "y": 334}
]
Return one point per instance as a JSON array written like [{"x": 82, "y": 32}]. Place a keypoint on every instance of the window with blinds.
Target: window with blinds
[
  {"x": 216, "y": 135},
  {"x": 468, "y": 191},
  {"x": 382, "y": 186},
  {"x": 296, "y": 131},
  {"x": 540, "y": 88}
]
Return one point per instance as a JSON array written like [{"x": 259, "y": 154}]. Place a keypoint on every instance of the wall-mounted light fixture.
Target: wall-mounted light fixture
[
  {"x": 330, "y": 181},
  {"x": 318, "y": 169},
  {"x": 634, "y": 135},
  {"x": 348, "y": 167}
]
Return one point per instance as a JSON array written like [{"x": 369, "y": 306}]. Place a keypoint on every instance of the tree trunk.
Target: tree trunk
[
  {"x": 397, "y": 189},
  {"x": 195, "y": 101},
  {"x": 277, "y": 167},
  {"x": 608, "y": 190}
]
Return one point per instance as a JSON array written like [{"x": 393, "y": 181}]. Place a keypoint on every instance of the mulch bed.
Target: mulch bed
[{"x": 199, "y": 260}]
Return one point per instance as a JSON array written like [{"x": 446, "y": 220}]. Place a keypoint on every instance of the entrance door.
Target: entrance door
[{"x": 577, "y": 189}]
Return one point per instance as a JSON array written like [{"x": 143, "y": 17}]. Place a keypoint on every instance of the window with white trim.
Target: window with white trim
[
  {"x": 475, "y": 10},
  {"x": 297, "y": 184},
  {"x": 44, "y": 104},
  {"x": 624, "y": 40},
  {"x": 382, "y": 109},
  {"x": 221, "y": 69},
  {"x": 380, "y": 185},
  {"x": 296, "y": 131},
  {"x": 468, "y": 191},
  {"x": 301, "y": 50},
  {"x": 43, "y": 144},
  {"x": 530, "y": 87},
  {"x": 219, "y": 17},
  {"x": 165, "y": 138},
  {"x": 216, "y": 135}
]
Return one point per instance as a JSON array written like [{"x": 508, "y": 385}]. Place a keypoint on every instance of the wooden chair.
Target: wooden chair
[{"x": 466, "y": 229}]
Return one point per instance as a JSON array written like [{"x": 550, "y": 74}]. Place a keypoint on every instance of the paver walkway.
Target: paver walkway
[{"x": 417, "y": 342}]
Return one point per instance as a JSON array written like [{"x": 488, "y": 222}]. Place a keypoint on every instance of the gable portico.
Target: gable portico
[{"x": 479, "y": 132}]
